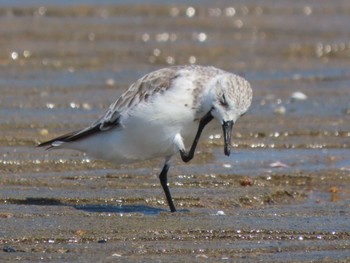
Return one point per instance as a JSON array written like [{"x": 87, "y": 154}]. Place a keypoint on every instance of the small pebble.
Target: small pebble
[
  {"x": 298, "y": 96},
  {"x": 220, "y": 213},
  {"x": 245, "y": 181},
  {"x": 345, "y": 168},
  {"x": 44, "y": 132},
  {"x": 280, "y": 110},
  {"x": 6, "y": 215},
  {"x": 110, "y": 82},
  {"x": 278, "y": 164},
  {"x": 9, "y": 249},
  {"x": 80, "y": 232},
  {"x": 86, "y": 106}
]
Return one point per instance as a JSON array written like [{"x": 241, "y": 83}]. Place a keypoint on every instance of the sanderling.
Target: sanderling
[{"x": 162, "y": 113}]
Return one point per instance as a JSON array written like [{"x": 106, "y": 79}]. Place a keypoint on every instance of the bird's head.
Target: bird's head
[{"x": 231, "y": 98}]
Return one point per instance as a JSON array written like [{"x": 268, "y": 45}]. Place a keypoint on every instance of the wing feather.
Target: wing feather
[{"x": 140, "y": 91}]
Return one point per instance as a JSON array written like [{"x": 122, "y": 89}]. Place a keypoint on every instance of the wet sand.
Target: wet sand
[{"x": 283, "y": 194}]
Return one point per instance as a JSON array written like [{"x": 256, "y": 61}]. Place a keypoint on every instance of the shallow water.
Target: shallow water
[{"x": 282, "y": 195}]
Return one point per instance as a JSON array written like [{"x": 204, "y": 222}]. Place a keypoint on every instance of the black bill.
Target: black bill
[{"x": 227, "y": 129}]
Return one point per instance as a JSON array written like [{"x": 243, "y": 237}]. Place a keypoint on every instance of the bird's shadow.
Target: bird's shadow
[{"x": 97, "y": 208}]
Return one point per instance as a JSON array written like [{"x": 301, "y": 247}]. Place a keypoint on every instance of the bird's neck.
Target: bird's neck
[{"x": 206, "y": 101}]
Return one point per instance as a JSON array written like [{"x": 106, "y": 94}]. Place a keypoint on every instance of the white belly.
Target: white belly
[
  {"x": 147, "y": 131},
  {"x": 136, "y": 142}
]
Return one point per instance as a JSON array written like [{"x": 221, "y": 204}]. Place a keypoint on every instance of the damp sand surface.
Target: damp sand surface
[{"x": 283, "y": 194}]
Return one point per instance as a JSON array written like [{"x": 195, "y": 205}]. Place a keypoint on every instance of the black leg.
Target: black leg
[
  {"x": 186, "y": 157},
  {"x": 163, "y": 177}
]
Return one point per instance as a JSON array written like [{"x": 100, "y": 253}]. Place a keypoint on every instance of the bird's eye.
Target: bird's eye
[{"x": 223, "y": 101}]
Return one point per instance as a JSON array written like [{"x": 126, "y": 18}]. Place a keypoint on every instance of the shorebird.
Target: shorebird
[{"x": 161, "y": 114}]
